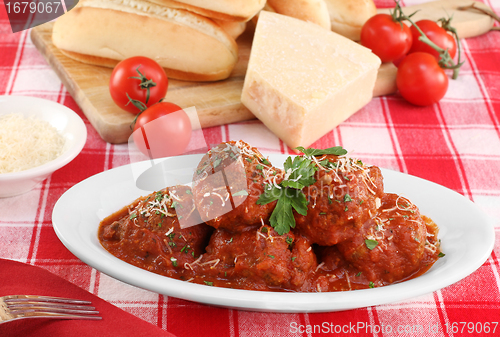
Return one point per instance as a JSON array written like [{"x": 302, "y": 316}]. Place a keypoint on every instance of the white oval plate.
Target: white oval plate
[{"x": 467, "y": 236}]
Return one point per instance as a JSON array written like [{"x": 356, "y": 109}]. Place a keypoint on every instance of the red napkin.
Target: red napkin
[{"x": 22, "y": 279}]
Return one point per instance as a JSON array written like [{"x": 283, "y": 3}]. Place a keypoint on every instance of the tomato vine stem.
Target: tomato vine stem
[
  {"x": 446, "y": 61},
  {"x": 146, "y": 83}
]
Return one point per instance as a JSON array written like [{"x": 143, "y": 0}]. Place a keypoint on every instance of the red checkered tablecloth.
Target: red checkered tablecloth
[{"x": 455, "y": 143}]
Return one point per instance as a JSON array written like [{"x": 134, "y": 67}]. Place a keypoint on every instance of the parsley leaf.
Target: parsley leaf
[
  {"x": 269, "y": 195},
  {"x": 300, "y": 172},
  {"x": 299, "y": 203},
  {"x": 282, "y": 217},
  {"x": 336, "y": 150}
]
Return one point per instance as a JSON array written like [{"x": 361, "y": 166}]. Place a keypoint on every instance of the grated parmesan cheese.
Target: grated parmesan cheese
[{"x": 27, "y": 142}]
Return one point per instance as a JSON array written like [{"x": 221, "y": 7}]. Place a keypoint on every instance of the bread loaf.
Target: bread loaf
[
  {"x": 348, "y": 16},
  {"x": 229, "y": 10},
  {"x": 314, "y": 11},
  {"x": 188, "y": 46},
  {"x": 232, "y": 28}
]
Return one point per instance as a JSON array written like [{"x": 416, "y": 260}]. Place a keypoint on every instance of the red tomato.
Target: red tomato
[
  {"x": 421, "y": 80},
  {"x": 436, "y": 34},
  {"x": 388, "y": 39},
  {"x": 162, "y": 130},
  {"x": 126, "y": 79}
]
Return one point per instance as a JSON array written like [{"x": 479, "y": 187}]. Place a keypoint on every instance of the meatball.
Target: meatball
[
  {"x": 335, "y": 273},
  {"x": 389, "y": 247},
  {"x": 345, "y": 195},
  {"x": 150, "y": 235},
  {"x": 227, "y": 184},
  {"x": 257, "y": 259}
]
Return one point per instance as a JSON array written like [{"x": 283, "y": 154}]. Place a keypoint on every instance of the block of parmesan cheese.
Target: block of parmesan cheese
[{"x": 303, "y": 80}]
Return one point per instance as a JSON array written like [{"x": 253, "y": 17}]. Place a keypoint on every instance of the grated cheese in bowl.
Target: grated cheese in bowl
[{"x": 27, "y": 142}]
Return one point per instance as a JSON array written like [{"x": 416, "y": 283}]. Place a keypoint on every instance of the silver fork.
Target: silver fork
[{"x": 16, "y": 307}]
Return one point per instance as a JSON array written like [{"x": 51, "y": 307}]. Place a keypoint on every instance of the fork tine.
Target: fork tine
[
  {"x": 15, "y": 305},
  {"x": 20, "y": 311},
  {"x": 56, "y": 315},
  {"x": 28, "y": 298},
  {"x": 32, "y": 306}
]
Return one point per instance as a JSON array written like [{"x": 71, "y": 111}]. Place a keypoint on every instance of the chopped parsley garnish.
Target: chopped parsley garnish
[
  {"x": 371, "y": 285},
  {"x": 159, "y": 196},
  {"x": 174, "y": 261},
  {"x": 265, "y": 161},
  {"x": 217, "y": 162},
  {"x": 209, "y": 283},
  {"x": 242, "y": 192},
  {"x": 441, "y": 254},
  {"x": 133, "y": 216},
  {"x": 371, "y": 244},
  {"x": 176, "y": 205},
  {"x": 347, "y": 198}
]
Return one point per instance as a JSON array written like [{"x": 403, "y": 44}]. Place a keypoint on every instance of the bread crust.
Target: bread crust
[
  {"x": 232, "y": 28},
  {"x": 189, "y": 46},
  {"x": 171, "y": 73},
  {"x": 314, "y": 11},
  {"x": 229, "y": 10},
  {"x": 348, "y": 17}
]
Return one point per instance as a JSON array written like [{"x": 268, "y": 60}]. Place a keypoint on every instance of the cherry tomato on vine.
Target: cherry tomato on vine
[
  {"x": 162, "y": 130},
  {"x": 436, "y": 34},
  {"x": 420, "y": 79},
  {"x": 142, "y": 78},
  {"x": 387, "y": 38}
]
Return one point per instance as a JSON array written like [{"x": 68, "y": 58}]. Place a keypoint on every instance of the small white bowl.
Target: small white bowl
[{"x": 65, "y": 120}]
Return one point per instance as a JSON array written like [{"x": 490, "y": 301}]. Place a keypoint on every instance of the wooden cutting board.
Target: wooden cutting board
[{"x": 216, "y": 103}]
